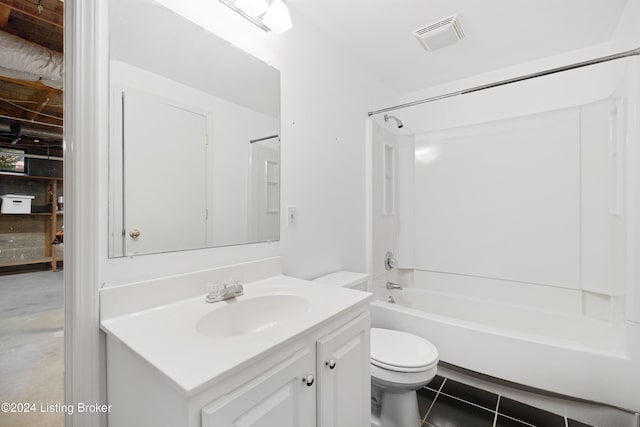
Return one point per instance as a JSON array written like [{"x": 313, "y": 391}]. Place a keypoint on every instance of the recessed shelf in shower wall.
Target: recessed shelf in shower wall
[{"x": 389, "y": 155}]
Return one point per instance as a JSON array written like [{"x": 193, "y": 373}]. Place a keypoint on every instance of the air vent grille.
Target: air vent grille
[
  {"x": 434, "y": 26},
  {"x": 440, "y": 34}
]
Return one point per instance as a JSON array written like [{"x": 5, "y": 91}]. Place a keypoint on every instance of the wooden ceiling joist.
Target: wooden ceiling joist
[
  {"x": 50, "y": 7},
  {"x": 34, "y": 15},
  {"x": 35, "y": 85},
  {"x": 42, "y": 98},
  {"x": 5, "y": 11}
]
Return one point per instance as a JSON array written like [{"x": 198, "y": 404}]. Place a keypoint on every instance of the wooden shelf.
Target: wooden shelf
[
  {"x": 45, "y": 214},
  {"x": 10, "y": 175},
  {"x": 27, "y": 262},
  {"x": 51, "y": 220}
]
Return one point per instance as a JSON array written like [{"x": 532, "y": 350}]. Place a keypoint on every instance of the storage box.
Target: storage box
[{"x": 16, "y": 204}]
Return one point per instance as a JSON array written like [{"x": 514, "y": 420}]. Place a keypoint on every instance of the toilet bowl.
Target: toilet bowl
[{"x": 401, "y": 363}]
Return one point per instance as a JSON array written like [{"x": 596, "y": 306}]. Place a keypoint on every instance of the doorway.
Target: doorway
[{"x": 31, "y": 212}]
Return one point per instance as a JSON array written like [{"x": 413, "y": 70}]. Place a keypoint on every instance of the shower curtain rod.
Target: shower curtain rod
[
  {"x": 607, "y": 58},
  {"x": 251, "y": 141}
]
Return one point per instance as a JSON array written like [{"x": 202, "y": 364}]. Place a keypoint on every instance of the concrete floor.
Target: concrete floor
[{"x": 32, "y": 346}]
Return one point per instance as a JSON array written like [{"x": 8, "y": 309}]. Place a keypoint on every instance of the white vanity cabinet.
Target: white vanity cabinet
[
  {"x": 320, "y": 377},
  {"x": 344, "y": 384},
  {"x": 283, "y": 396},
  {"x": 326, "y": 384}
]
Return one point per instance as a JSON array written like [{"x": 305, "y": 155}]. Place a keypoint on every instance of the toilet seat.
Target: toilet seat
[
  {"x": 401, "y": 368},
  {"x": 401, "y": 352}
]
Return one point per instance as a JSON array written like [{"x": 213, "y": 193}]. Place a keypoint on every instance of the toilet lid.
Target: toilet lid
[{"x": 401, "y": 351}]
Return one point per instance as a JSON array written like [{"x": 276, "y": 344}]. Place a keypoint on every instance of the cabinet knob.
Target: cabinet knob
[
  {"x": 331, "y": 364},
  {"x": 135, "y": 233},
  {"x": 308, "y": 380}
]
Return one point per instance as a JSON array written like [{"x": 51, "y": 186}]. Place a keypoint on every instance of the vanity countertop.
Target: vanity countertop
[{"x": 172, "y": 339}]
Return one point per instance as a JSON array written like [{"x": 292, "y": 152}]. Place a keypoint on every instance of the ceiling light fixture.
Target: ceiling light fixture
[
  {"x": 268, "y": 15},
  {"x": 277, "y": 17}
]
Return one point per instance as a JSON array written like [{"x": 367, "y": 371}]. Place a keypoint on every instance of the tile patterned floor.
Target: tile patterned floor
[{"x": 448, "y": 403}]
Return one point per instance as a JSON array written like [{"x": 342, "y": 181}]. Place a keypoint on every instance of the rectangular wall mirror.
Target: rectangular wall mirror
[{"x": 194, "y": 131}]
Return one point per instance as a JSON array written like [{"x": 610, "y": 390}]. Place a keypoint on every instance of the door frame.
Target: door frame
[{"x": 86, "y": 116}]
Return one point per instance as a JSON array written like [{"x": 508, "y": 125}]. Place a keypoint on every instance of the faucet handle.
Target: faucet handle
[
  {"x": 389, "y": 261},
  {"x": 233, "y": 281}
]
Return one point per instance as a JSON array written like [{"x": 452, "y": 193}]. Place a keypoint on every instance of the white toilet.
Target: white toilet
[{"x": 401, "y": 363}]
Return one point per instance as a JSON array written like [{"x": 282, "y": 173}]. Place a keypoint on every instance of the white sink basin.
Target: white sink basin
[{"x": 245, "y": 316}]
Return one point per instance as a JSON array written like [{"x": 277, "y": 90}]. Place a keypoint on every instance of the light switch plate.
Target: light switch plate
[{"x": 291, "y": 215}]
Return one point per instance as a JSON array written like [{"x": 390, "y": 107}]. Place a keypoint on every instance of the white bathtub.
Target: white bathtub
[{"x": 562, "y": 353}]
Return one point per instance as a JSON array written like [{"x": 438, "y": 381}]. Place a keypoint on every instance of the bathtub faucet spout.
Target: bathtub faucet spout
[{"x": 391, "y": 285}]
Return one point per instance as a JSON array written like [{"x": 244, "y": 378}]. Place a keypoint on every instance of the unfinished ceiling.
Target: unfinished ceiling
[
  {"x": 499, "y": 33},
  {"x": 24, "y": 98}
]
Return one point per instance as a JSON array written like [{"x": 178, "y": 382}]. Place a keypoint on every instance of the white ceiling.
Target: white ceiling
[{"x": 499, "y": 33}]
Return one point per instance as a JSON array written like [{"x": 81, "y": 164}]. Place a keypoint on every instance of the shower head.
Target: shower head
[{"x": 398, "y": 121}]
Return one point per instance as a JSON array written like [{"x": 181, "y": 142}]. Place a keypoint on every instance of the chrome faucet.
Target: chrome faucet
[
  {"x": 226, "y": 292},
  {"x": 391, "y": 285}
]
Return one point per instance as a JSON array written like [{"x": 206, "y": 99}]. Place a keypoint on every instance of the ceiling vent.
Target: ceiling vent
[{"x": 440, "y": 34}]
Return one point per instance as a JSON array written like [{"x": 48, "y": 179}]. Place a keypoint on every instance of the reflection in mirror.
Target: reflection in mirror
[
  {"x": 194, "y": 125},
  {"x": 264, "y": 206}
]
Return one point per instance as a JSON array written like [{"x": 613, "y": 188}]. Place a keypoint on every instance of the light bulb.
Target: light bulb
[{"x": 277, "y": 17}]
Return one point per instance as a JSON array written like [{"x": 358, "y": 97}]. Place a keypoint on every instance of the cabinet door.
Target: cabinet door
[
  {"x": 280, "y": 397},
  {"x": 344, "y": 376}
]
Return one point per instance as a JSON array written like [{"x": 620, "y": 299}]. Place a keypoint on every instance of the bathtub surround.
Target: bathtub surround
[{"x": 386, "y": 200}]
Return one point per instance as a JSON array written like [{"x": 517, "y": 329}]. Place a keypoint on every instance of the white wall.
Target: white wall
[{"x": 325, "y": 96}]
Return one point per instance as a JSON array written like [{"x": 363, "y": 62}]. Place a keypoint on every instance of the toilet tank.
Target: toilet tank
[{"x": 345, "y": 279}]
